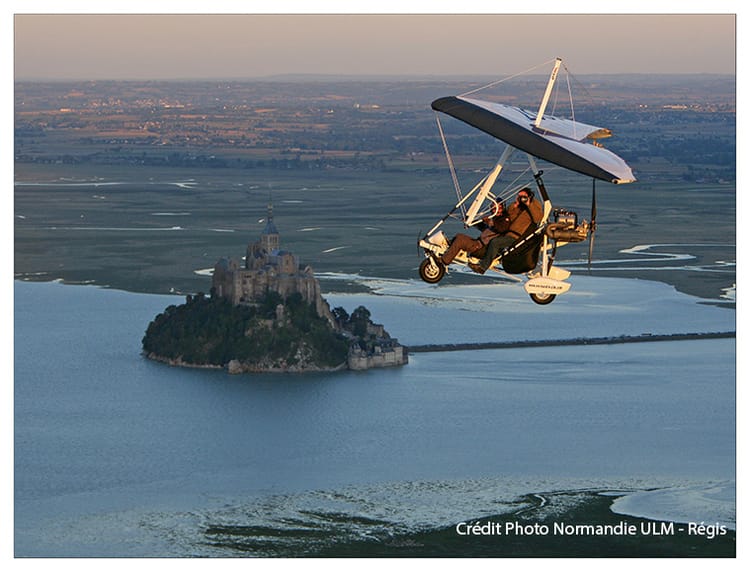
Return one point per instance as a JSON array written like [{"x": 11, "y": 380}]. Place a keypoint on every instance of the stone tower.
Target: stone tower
[
  {"x": 269, "y": 238},
  {"x": 268, "y": 268}
]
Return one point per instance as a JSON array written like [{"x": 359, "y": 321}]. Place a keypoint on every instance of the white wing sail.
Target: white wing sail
[{"x": 560, "y": 141}]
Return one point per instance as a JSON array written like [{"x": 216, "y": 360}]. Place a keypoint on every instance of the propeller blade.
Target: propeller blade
[
  {"x": 592, "y": 228},
  {"x": 593, "y": 202}
]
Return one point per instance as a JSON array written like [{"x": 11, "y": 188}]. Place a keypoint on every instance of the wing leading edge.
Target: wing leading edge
[{"x": 559, "y": 141}]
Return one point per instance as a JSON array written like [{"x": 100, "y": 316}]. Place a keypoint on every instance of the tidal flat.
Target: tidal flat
[{"x": 161, "y": 230}]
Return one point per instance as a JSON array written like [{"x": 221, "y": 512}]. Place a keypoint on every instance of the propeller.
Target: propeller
[{"x": 592, "y": 227}]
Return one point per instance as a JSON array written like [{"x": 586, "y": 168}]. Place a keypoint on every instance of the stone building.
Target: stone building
[
  {"x": 385, "y": 353},
  {"x": 268, "y": 268}
]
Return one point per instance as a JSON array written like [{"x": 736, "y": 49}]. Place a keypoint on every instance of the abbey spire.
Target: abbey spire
[{"x": 270, "y": 236}]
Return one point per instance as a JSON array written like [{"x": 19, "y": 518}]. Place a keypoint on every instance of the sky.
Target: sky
[{"x": 211, "y": 45}]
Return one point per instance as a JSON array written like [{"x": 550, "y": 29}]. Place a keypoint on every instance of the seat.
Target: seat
[{"x": 524, "y": 255}]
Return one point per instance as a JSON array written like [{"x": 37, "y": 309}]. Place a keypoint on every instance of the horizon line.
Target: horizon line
[{"x": 307, "y": 76}]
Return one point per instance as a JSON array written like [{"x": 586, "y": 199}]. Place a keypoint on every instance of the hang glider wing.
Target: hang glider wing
[{"x": 559, "y": 141}]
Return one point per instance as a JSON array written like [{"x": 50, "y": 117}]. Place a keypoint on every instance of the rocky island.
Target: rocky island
[{"x": 268, "y": 315}]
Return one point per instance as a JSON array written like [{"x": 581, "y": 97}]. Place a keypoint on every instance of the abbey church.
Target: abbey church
[{"x": 268, "y": 268}]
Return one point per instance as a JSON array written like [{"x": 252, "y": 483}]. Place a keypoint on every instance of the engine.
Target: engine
[{"x": 565, "y": 227}]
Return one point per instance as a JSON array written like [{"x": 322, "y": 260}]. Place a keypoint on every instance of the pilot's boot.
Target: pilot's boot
[{"x": 477, "y": 268}]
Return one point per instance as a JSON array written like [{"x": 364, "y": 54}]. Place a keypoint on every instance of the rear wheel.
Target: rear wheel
[
  {"x": 543, "y": 298},
  {"x": 431, "y": 271}
]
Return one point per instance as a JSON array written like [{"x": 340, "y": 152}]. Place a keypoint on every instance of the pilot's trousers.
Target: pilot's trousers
[
  {"x": 494, "y": 247},
  {"x": 461, "y": 242}
]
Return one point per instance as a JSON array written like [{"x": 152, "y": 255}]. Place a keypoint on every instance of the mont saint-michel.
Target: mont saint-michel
[{"x": 268, "y": 315}]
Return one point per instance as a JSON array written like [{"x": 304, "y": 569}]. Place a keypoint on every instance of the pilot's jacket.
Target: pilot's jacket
[
  {"x": 524, "y": 219},
  {"x": 493, "y": 227}
]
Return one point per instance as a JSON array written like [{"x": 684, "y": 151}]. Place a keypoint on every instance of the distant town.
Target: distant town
[{"x": 355, "y": 124}]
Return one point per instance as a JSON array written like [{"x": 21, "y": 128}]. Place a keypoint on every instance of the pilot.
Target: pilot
[
  {"x": 524, "y": 216},
  {"x": 492, "y": 227}
]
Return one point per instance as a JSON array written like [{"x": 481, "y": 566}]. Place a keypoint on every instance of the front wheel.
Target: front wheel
[
  {"x": 542, "y": 298},
  {"x": 431, "y": 271}
]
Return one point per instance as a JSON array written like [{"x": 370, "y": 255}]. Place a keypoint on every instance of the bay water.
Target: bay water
[{"x": 116, "y": 455}]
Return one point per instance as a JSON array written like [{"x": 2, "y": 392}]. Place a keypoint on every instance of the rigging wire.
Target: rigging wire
[
  {"x": 452, "y": 168},
  {"x": 568, "y": 75},
  {"x": 494, "y": 83},
  {"x": 570, "y": 95},
  {"x": 511, "y": 188},
  {"x": 578, "y": 82}
]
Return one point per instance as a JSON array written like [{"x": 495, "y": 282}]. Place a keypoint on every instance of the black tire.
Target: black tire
[
  {"x": 431, "y": 271},
  {"x": 543, "y": 299}
]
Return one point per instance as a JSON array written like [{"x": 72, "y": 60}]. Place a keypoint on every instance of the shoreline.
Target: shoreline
[
  {"x": 235, "y": 367},
  {"x": 350, "y": 286}
]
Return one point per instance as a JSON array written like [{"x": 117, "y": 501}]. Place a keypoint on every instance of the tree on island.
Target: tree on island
[
  {"x": 359, "y": 321},
  {"x": 273, "y": 331}
]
